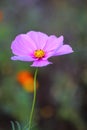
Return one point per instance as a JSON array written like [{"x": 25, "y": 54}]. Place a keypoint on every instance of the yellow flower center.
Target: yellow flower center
[{"x": 39, "y": 53}]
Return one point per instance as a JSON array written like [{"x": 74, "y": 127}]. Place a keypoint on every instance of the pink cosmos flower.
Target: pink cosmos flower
[{"x": 37, "y": 47}]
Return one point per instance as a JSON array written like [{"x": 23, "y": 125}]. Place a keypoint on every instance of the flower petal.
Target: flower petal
[
  {"x": 39, "y": 38},
  {"x": 22, "y": 45},
  {"x": 22, "y": 58},
  {"x": 65, "y": 49},
  {"x": 41, "y": 63},
  {"x": 53, "y": 43}
]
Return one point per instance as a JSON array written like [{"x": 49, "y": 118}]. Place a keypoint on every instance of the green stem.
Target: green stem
[{"x": 34, "y": 99}]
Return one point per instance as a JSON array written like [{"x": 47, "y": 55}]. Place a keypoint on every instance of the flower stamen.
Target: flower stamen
[{"x": 39, "y": 53}]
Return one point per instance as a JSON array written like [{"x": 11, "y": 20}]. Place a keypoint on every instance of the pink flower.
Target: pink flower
[{"x": 37, "y": 47}]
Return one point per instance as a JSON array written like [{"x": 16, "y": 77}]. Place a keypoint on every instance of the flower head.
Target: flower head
[{"x": 37, "y": 47}]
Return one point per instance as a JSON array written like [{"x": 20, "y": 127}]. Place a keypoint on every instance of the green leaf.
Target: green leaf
[
  {"x": 18, "y": 125},
  {"x": 13, "y": 126}
]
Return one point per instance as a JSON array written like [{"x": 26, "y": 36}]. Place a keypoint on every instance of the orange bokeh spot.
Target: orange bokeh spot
[
  {"x": 47, "y": 111},
  {"x": 25, "y": 78},
  {"x": 1, "y": 15}
]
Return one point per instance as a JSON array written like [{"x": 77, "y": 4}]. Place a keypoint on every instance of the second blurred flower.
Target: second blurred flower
[{"x": 25, "y": 78}]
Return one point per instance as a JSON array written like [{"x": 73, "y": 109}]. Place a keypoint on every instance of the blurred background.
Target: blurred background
[{"x": 62, "y": 87}]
